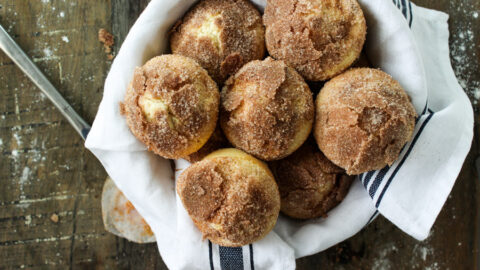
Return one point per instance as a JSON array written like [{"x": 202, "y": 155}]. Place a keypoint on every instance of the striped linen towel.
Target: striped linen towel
[{"x": 408, "y": 42}]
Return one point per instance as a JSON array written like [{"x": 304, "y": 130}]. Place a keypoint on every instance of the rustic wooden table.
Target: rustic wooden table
[{"x": 45, "y": 170}]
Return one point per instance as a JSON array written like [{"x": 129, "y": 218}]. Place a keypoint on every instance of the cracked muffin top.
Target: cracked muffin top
[
  {"x": 266, "y": 109},
  {"x": 319, "y": 38},
  {"x": 221, "y": 35},
  {"x": 231, "y": 197},
  {"x": 171, "y": 105},
  {"x": 363, "y": 119}
]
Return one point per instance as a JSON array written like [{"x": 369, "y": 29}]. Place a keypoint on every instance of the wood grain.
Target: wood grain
[{"x": 45, "y": 170}]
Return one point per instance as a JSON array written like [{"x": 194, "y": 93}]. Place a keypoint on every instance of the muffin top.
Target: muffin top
[
  {"x": 221, "y": 35},
  {"x": 319, "y": 38},
  {"x": 171, "y": 105},
  {"x": 266, "y": 109},
  {"x": 231, "y": 197},
  {"x": 363, "y": 119}
]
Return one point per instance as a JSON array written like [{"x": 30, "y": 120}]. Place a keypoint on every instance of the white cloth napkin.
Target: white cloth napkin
[{"x": 406, "y": 41}]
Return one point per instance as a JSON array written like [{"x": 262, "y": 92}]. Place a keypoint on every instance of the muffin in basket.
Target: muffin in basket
[
  {"x": 231, "y": 197},
  {"x": 171, "y": 105},
  {"x": 221, "y": 35}
]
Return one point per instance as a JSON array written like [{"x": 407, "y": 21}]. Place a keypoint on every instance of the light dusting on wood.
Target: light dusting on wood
[{"x": 464, "y": 48}]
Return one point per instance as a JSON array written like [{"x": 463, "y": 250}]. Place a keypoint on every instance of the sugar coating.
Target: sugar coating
[
  {"x": 221, "y": 35},
  {"x": 363, "y": 119},
  {"x": 266, "y": 109},
  {"x": 171, "y": 105},
  {"x": 231, "y": 197},
  {"x": 310, "y": 185},
  {"x": 319, "y": 38}
]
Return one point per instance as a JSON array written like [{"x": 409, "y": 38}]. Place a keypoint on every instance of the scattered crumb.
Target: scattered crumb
[
  {"x": 61, "y": 14},
  {"x": 108, "y": 41},
  {"x": 28, "y": 220},
  {"x": 65, "y": 39},
  {"x": 54, "y": 218}
]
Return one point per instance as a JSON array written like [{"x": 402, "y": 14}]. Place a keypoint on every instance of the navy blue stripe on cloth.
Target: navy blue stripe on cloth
[
  {"x": 423, "y": 112},
  {"x": 389, "y": 181},
  {"x": 367, "y": 178},
  {"x": 411, "y": 15},
  {"x": 372, "y": 217},
  {"x": 404, "y": 8},
  {"x": 210, "y": 255},
  {"x": 231, "y": 258},
  {"x": 378, "y": 179},
  {"x": 252, "y": 265}
]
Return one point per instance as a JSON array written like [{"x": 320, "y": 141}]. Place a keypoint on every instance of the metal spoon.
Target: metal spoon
[{"x": 8, "y": 45}]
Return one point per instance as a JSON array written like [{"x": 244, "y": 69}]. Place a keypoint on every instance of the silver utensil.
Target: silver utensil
[{"x": 10, "y": 47}]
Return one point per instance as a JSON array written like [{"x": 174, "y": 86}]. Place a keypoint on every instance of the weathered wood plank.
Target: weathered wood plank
[{"x": 44, "y": 166}]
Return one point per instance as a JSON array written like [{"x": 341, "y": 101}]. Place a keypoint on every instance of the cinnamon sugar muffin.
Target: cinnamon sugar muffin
[
  {"x": 266, "y": 109},
  {"x": 215, "y": 142},
  {"x": 171, "y": 105},
  {"x": 319, "y": 38},
  {"x": 310, "y": 185},
  {"x": 231, "y": 197},
  {"x": 221, "y": 35},
  {"x": 363, "y": 119}
]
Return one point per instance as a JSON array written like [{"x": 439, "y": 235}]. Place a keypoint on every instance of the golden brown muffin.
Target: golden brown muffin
[
  {"x": 310, "y": 184},
  {"x": 221, "y": 35},
  {"x": 319, "y": 38},
  {"x": 266, "y": 109},
  {"x": 363, "y": 119},
  {"x": 231, "y": 197},
  {"x": 215, "y": 142},
  {"x": 171, "y": 105}
]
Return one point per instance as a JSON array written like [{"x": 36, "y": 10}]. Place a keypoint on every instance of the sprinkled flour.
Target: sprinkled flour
[{"x": 463, "y": 49}]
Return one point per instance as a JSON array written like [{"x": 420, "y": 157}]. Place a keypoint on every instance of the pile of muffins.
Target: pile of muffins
[{"x": 250, "y": 144}]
